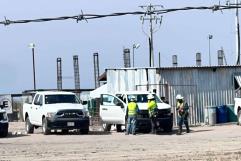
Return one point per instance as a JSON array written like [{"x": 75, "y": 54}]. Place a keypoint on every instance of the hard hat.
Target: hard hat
[
  {"x": 133, "y": 98},
  {"x": 150, "y": 96},
  {"x": 179, "y": 97}
]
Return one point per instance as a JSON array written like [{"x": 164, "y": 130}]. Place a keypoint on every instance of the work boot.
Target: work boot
[
  {"x": 153, "y": 131},
  {"x": 188, "y": 130},
  {"x": 187, "y": 127},
  {"x": 179, "y": 131}
]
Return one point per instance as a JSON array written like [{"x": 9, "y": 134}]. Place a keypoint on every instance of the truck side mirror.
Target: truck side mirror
[
  {"x": 84, "y": 102},
  {"x": 120, "y": 104},
  {"x": 39, "y": 103}
]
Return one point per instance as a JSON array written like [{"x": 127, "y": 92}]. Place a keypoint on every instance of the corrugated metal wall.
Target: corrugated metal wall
[{"x": 201, "y": 86}]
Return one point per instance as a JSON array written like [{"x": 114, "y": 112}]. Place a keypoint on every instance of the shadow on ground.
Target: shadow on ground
[{"x": 13, "y": 135}]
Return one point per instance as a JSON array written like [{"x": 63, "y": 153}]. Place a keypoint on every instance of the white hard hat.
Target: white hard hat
[
  {"x": 150, "y": 96},
  {"x": 179, "y": 97},
  {"x": 133, "y": 98}
]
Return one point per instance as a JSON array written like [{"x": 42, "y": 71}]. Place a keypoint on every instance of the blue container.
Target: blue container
[{"x": 222, "y": 114}]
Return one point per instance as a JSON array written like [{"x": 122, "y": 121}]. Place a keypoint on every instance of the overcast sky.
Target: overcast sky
[{"x": 181, "y": 33}]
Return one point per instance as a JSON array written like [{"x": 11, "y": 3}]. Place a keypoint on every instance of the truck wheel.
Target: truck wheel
[
  {"x": 168, "y": 128},
  {"x": 106, "y": 127},
  {"x": 65, "y": 131},
  {"x": 28, "y": 126},
  {"x": 118, "y": 128},
  {"x": 84, "y": 131},
  {"x": 45, "y": 128},
  {"x": 239, "y": 117},
  {"x": 4, "y": 133}
]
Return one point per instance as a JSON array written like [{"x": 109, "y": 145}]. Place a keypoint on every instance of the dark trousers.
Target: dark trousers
[
  {"x": 153, "y": 124},
  {"x": 183, "y": 119}
]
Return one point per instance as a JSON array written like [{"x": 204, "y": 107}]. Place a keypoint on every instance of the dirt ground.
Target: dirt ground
[{"x": 203, "y": 143}]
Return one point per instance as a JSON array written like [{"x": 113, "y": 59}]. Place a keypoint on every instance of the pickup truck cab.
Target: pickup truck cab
[
  {"x": 55, "y": 110},
  {"x": 113, "y": 111}
]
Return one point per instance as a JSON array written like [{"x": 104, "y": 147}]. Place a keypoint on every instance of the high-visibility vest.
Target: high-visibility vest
[
  {"x": 151, "y": 107},
  {"x": 182, "y": 109},
  {"x": 132, "y": 109}
]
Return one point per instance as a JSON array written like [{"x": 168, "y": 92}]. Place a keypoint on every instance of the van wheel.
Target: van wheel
[
  {"x": 28, "y": 126},
  {"x": 84, "y": 131},
  {"x": 106, "y": 127},
  {"x": 118, "y": 128},
  {"x": 168, "y": 128},
  {"x": 65, "y": 131},
  {"x": 239, "y": 117},
  {"x": 4, "y": 133},
  {"x": 45, "y": 127}
]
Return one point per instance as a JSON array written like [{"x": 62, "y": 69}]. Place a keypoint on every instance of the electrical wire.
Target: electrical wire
[{"x": 87, "y": 17}]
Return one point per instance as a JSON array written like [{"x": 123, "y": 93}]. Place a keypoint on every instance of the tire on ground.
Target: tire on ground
[
  {"x": 106, "y": 127},
  {"x": 168, "y": 127},
  {"x": 45, "y": 127},
  {"x": 65, "y": 131},
  {"x": 28, "y": 126},
  {"x": 118, "y": 128},
  {"x": 84, "y": 131},
  {"x": 4, "y": 133}
]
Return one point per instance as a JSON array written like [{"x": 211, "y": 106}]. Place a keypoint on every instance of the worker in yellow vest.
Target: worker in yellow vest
[
  {"x": 152, "y": 108},
  {"x": 132, "y": 110},
  {"x": 183, "y": 113}
]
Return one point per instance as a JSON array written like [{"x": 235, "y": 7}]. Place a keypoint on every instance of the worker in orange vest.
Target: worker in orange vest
[{"x": 183, "y": 113}]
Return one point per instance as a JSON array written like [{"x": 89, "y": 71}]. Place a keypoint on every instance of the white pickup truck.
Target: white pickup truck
[
  {"x": 113, "y": 111},
  {"x": 55, "y": 110}
]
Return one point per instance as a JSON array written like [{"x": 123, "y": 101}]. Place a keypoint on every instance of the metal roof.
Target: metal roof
[{"x": 179, "y": 67}]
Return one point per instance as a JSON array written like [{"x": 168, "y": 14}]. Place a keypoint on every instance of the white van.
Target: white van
[{"x": 113, "y": 111}]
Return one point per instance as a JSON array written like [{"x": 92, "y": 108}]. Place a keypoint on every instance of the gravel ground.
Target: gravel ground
[{"x": 203, "y": 143}]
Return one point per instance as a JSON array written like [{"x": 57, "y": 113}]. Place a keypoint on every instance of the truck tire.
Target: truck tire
[
  {"x": 4, "y": 133},
  {"x": 84, "y": 131},
  {"x": 65, "y": 131},
  {"x": 239, "y": 117},
  {"x": 45, "y": 127},
  {"x": 28, "y": 126},
  {"x": 119, "y": 128},
  {"x": 106, "y": 127},
  {"x": 168, "y": 127}
]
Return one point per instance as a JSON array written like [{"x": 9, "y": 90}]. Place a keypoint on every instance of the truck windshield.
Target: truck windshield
[
  {"x": 142, "y": 98},
  {"x": 51, "y": 99}
]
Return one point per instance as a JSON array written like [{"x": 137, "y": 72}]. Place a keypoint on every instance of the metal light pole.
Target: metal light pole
[
  {"x": 135, "y": 46},
  {"x": 32, "y": 46},
  {"x": 209, "y": 38}
]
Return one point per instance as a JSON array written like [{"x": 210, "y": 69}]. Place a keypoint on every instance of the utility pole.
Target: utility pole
[
  {"x": 237, "y": 35},
  {"x": 237, "y": 30},
  {"x": 159, "y": 58},
  {"x": 151, "y": 16},
  {"x": 209, "y": 48}
]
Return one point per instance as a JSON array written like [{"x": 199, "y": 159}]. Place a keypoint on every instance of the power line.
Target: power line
[{"x": 87, "y": 17}]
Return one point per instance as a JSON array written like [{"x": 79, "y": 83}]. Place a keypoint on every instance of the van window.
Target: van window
[
  {"x": 142, "y": 98},
  {"x": 36, "y": 99},
  {"x": 110, "y": 100}
]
